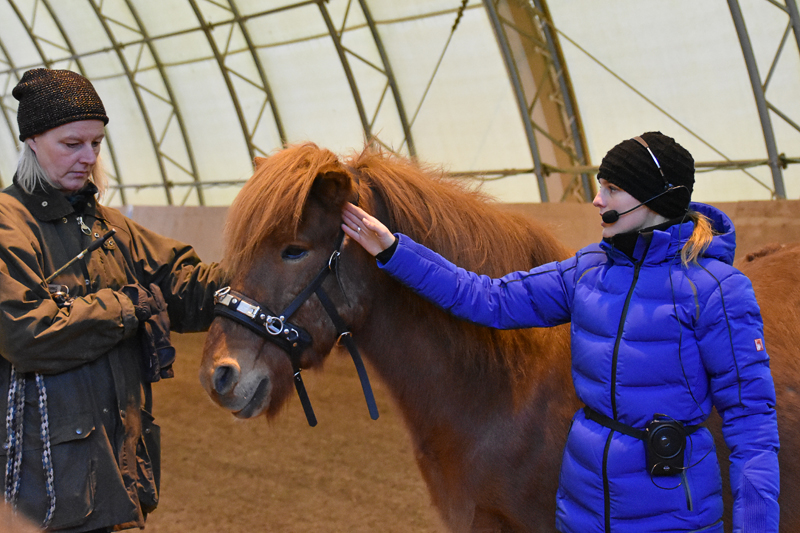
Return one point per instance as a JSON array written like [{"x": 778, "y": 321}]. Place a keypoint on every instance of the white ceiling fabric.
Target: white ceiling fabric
[
  {"x": 688, "y": 61},
  {"x": 187, "y": 83}
]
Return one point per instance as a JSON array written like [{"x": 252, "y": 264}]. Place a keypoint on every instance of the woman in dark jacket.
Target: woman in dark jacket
[
  {"x": 81, "y": 346},
  {"x": 663, "y": 329}
]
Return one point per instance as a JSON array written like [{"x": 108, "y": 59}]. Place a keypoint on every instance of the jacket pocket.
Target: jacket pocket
[
  {"x": 73, "y": 474},
  {"x": 148, "y": 461}
]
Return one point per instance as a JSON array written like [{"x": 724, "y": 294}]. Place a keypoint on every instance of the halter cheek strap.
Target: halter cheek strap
[{"x": 291, "y": 338}]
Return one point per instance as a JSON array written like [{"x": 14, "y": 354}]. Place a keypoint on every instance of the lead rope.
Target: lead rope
[
  {"x": 15, "y": 417},
  {"x": 47, "y": 460}
]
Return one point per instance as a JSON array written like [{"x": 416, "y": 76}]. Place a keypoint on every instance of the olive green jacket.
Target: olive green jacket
[{"x": 105, "y": 445}]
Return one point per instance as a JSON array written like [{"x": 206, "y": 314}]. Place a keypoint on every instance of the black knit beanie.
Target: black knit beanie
[
  {"x": 630, "y": 166},
  {"x": 51, "y": 98}
]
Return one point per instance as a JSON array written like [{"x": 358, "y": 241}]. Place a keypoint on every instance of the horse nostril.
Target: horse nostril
[{"x": 225, "y": 378}]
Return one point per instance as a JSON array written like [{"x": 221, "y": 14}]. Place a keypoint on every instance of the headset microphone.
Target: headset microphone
[{"x": 609, "y": 217}]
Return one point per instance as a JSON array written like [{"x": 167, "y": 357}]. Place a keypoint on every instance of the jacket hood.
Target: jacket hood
[{"x": 723, "y": 245}]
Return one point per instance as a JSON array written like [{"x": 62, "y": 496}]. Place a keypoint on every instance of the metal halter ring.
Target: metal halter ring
[
  {"x": 332, "y": 259},
  {"x": 291, "y": 334},
  {"x": 221, "y": 293},
  {"x": 274, "y": 324}
]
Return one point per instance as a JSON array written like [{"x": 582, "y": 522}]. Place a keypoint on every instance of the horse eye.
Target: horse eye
[{"x": 293, "y": 253}]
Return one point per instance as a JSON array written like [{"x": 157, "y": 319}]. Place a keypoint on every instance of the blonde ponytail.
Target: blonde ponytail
[{"x": 700, "y": 239}]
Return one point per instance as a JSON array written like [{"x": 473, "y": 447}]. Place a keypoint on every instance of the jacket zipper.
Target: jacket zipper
[{"x": 606, "y": 490}]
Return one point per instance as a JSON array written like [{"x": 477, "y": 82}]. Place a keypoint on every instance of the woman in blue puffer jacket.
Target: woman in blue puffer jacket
[{"x": 663, "y": 329}]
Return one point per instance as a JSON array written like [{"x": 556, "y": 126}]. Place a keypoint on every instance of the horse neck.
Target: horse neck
[{"x": 428, "y": 373}]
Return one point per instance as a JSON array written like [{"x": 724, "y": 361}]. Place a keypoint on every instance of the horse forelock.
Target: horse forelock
[{"x": 271, "y": 203}]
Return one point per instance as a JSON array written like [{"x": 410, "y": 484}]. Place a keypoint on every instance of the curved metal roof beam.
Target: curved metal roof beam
[
  {"x": 519, "y": 95},
  {"x": 536, "y": 65},
  {"x": 221, "y": 56},
  {"x": 337, "y": 41},
  {"x": 761, "y": 101},
  {"x": 137, "y": 94},
  {"x": 793, "y": 26},
  {"x": 264, "y": 83},
  {"x": 6, "y": 115},
  {"x": 29, "y": 28},
  {"x": 194, "y": 172},
  {"x": 794, "y": 19},
  {"x": 387, "y": 66},
  {"x": 227, "y": 77},
  {"x": 574, "y": 123}
]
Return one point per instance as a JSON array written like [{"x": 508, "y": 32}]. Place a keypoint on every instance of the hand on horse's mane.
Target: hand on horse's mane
[{"x": 366, "y": 230}]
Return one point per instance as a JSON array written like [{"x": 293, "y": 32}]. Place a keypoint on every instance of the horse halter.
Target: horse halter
[{"x": 293, "y": 339}]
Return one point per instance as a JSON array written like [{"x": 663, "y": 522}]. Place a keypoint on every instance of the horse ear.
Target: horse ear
[
  {"x": 333, "y": 188},
  {"x": 258, "y": 161}
]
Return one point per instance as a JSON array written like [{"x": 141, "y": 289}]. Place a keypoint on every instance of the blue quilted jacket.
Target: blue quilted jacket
[{"x": 648, "y": 336}]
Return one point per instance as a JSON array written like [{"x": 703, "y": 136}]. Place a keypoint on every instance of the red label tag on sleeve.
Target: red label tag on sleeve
[{"x": 759, "y": 345}]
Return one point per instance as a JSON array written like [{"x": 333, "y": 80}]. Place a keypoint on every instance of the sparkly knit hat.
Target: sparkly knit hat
[
  {"x": 630, "y": 166},
  {"x": 51, "y": 98}
]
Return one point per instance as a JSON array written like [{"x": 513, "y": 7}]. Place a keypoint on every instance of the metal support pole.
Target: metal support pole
[
  {"x": 387, "y": 67},
  {"x": 761, "y": 101},
  {"x": 794, "y": 17},
  {"x": 569, "y": 105},
  {"x": 519, "y": 95}
]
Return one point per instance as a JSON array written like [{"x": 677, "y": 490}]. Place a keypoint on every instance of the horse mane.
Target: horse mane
[
  {"x": 461, "y": 223},
  {"x": 473, "y": 231}
]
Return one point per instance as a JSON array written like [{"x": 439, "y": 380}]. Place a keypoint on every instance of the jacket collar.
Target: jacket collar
[
  {"x": 48, "y": 204},
  {"x": 665, "y": 243},
  {"x": 652, "y": 244}
]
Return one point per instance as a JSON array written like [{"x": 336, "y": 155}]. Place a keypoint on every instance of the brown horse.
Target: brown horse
[{"x": 488, "y": 411}]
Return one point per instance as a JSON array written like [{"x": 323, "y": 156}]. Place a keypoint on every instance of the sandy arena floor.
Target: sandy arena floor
[{"x": 223, "y": 475}]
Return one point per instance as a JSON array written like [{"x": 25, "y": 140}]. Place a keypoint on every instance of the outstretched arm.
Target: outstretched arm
[
  {"x": 519, "y": 299},
  {"x": 365, "y": 229}
]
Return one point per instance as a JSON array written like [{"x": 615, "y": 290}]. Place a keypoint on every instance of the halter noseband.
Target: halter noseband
[{"x": 293, "y": 339}]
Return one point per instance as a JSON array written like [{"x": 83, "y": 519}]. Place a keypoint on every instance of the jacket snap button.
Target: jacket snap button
[
  {"x": 44, "y": 204},
  {"x": 79, "y": 431}
]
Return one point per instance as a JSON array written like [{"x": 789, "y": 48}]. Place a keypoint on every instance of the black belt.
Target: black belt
[{"x": 619, "y": 427}]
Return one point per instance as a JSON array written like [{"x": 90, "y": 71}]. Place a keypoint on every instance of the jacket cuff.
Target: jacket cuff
[
  {"x": 384, "y": 256},
  {"x": 130, "y": 323}
]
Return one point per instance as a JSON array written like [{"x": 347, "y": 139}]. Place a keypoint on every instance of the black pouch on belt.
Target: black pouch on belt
[{"x": 664, "y": 440}]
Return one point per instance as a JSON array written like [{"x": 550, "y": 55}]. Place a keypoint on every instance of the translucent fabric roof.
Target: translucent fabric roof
[{"x": 521, "y": 96}]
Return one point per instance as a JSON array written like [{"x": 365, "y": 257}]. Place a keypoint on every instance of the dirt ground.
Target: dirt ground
[{"x": 223, "y": 475}]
